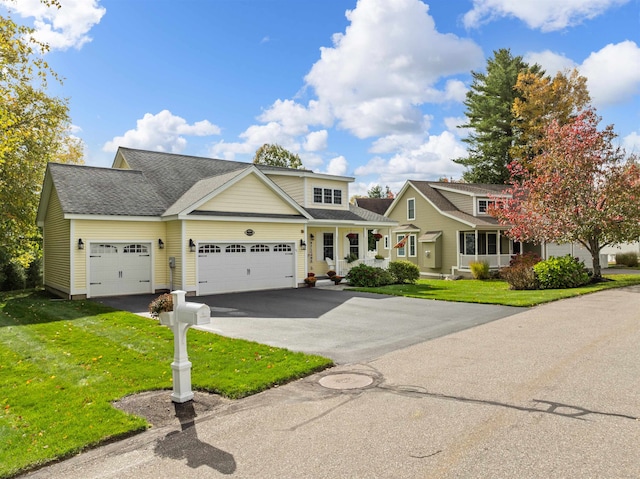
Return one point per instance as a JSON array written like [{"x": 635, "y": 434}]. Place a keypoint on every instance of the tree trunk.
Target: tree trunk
[{"x": 594, "y": 248}]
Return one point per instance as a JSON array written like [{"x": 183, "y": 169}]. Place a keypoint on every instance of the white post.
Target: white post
[{"x": 181, "y": 366}]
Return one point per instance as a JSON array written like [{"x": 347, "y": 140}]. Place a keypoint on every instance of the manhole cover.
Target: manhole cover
[{"x": 346, "y": 381}]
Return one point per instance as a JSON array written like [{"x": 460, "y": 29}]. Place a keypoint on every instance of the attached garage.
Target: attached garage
[
  {"x": 119, "y": 268},
  {"x": 228, "y": 267}
]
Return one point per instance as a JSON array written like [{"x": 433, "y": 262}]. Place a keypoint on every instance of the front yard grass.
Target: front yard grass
[
  {"x": 62, "y": 363},
  {"x": 495, "y": 291}
]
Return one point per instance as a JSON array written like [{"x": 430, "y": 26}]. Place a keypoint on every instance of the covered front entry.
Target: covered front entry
[
  {"x": 229, "y": 267},
  {"x": 119, "y": 268}
]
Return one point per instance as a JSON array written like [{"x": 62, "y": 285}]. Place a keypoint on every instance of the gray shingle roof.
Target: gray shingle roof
[
  {"x": 173, "y": 175},
  {"x": 377, "y": 205},
  {"x": 354, "y": 214},
  {"x": 104, "y": 191}
]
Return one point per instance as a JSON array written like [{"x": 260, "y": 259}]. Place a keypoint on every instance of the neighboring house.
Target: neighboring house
[
  {"x": 159, "y": 221},
  {"x": 443, "y": 227}
]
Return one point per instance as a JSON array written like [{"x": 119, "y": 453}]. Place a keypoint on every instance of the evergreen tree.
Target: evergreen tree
[{"x": 489, "y": 105}]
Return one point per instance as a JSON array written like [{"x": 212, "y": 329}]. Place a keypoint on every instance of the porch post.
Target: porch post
[
  {"x": 476, "y": 236},
  {"x": 365, "y": 242},
  {"x": 499, "y": 236}
]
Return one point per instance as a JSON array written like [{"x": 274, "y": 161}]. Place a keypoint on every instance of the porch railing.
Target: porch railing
[
  {"x": 494, "y": 260},
  {"x": 342, "y": 267}
]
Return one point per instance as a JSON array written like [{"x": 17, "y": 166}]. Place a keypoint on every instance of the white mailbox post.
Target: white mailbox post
[{"x": 183, "y": 317}]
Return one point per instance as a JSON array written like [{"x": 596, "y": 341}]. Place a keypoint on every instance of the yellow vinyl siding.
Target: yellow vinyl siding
[
  {"x": 204, "y": 231},
  {"x": 120, "y": 231},
  {"x": 173, "y": 247},
  {"x": 249, "y": 194},
  {"x": 57, "y": 248},
  {"x": 293, "y": 186},
  {"x": 334, "y": 185}
]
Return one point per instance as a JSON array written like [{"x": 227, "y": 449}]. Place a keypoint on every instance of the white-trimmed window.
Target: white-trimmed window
[
  {"x": 484, "y": 205},
  {"x": 260, "y": 248},
  {"x": 401, "y": 242},
  {"x": 411, "y": 209},
  {"x": 327, "y": 196},
  {"x": 411, "y": 244},
  {"x": 235, "y": 248},
  {"x": 327, "y": 245},
  {"x": 282, "y": 248}
]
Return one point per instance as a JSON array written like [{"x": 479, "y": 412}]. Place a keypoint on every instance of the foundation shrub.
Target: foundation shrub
[
  {"x": 364, "y": 276},
  {"x": 404, "y": 271},
  {"x": 561, "y": 272}
]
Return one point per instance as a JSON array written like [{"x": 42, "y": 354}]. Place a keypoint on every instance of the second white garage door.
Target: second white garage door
[{"x": 231, "y": 267}]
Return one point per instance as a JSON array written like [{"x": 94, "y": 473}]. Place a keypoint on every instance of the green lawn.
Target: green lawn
[
  {"x": 63, "y": 362},
  {"x": 494, "y": 291}
]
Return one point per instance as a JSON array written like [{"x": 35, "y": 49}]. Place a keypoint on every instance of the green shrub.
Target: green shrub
[
  {"x": 34, "y": 274},
  {"x": 404, "y": 271},
  {"x": 13, "y": 276},
  {"x": 364, "y": 276},
  {"x": 519, "y": 274},
  {"x": 627, "y": 259},
  {"x": 479, "y": 269},
  {"x": 561, "y": 272}
]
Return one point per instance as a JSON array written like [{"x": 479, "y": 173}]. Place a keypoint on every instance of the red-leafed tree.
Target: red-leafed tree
[{"x": 580, "y": 188}]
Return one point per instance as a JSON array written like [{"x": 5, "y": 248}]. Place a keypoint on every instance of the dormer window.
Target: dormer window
[
  {"x": 327, "y": 196},
  {"x": 484, "y": 205}
]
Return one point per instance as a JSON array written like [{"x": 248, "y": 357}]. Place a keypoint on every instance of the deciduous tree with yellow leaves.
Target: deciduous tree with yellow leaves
[{"x": 34, "y": 130}]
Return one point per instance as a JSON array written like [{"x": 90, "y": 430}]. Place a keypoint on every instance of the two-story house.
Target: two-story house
[
  {"x": 159, "y": 221},
  {"x": 443, "y": 227}
]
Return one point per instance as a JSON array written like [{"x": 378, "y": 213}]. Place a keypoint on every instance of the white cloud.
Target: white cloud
[
  {"x": 631, "y": 143},
  {"x": 546, "y": 15},
  {"x": 376, "y": 74},
  {"x": 61, "y": 28},
  {"x": 428, "y": 161},
  {"x": 454, "y": 122},
  {"x": 316, "y": 140},
  {"x": 161, "y": 132},
  {"x": 372, "y": 82},
  {"x": 296, "y": 118},
  {"x": 550, "y": 62},
  {"x": 613, "y": 73},
  {"x": 337, "y": 166},
  {"x": 391, "y": 143}
]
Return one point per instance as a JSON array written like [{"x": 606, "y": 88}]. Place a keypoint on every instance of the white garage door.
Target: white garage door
[
  {"x": 229, "y": 267},
  {"x": 119, "y": 268}
]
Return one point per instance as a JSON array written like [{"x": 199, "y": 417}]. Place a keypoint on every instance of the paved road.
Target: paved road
[
  {"x": 550, "y": 392},
  {"x": 345, "y": 326}
]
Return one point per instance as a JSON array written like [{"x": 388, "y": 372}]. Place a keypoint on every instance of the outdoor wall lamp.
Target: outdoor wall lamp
[
  {"x": 192, "y": 245},
  {"x": 311, "y": 236},
  {"x": 80, "y": 243},
  {"x": 160, "y": 243},
  {"x": 303, "y": 245}
]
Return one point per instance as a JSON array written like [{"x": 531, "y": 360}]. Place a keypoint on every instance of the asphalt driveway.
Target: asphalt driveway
[{"x": 346, "y": 326}]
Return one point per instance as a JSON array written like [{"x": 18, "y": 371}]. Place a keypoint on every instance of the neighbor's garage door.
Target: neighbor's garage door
[
  {"x": 119, "y": 268},
  {"x": 229, "y": 267}
]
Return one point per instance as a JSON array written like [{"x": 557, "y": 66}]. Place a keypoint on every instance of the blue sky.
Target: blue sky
[{"x": 370, "y": 88}]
